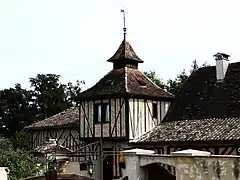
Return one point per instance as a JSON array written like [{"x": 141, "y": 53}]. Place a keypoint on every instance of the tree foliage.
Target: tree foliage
[
  {"x": 16, "y": 109},
  {"x": 20, "y": 140},
  {"x": 51, "y": 96},
  {"x": 174, "y": 85},
  {"x": 20, "y": 163},
  {"x": 45, "y": 97},
  {"x": 152, "y": 76}
]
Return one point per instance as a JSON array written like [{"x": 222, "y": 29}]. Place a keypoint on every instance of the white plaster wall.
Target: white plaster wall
[
  {"x": 3, "y": 173},
  {"x": 139, "y": 110},
  {"x": 117, "y": 125},
  {"x": 86, "y": 119},
  {"x": 40, "y": 137},
  {"x": 118, "y": 117}
]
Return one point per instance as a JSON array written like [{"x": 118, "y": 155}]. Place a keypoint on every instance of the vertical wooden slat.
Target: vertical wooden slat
[
  {"x": 160, "y": 111},
  {"x": 145, "y": 116},
  {"x": 93, "y": 118},
  {"x": 110, "y": 117},
  {"x": 116, "y": 118},
  {"x": 127, "y": 117},
  {"x": 88, "y": 117},
  {"x": 101, "y": 119},
  {"x": 84, "y": 119},
  {"x": 137, "y": 122},
  {"x": 79, "y": 119},
  {"x": 120, "y": 119}
]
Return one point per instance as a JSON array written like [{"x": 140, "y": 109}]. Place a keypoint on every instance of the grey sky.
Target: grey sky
[{"x": 74, "y": 38}]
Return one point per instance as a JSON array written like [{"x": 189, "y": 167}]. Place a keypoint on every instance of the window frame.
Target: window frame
[{"x": 101, "y": 113}]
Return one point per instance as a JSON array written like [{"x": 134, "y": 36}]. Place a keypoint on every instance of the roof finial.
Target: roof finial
[{"x": 124, "y": 25}]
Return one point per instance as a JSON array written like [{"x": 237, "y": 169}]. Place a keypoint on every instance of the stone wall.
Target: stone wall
[
  {"x": 189, "y": 165},
  {"x": 207, "y": 168}
]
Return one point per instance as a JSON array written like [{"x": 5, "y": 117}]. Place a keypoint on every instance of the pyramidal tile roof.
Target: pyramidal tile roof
[
  {"x": 124, "y": 81},
  {"x": 125, "y": 52}
]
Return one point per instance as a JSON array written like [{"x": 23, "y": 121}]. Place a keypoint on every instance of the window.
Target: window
[
  {"x": 155, "y": 110},
  {"x": 101, "y": 113}
]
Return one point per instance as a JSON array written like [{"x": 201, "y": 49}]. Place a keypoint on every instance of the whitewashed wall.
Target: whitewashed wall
[
  {"x": 141, "y": 116},
  {"x": 116, "y": 126}
]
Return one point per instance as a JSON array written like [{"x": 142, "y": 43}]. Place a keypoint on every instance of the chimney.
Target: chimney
[{"x": 222, "y": 62}]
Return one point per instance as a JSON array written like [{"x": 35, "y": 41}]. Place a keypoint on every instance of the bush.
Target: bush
[{"x": 20, "y": 162}]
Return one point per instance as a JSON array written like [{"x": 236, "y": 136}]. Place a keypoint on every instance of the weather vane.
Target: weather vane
[{"x": 124, "y": 23}]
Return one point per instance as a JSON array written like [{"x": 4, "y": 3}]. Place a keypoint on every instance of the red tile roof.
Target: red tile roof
[
  {"x": 65, "y": 118},
  {"x": 124, "y": 81},
  {"x": 125, "y": 52},
  {"x": 213, "y": 129}
]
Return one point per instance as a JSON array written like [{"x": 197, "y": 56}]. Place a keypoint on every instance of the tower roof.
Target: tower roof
[
  {"x": 125, "y": 52},
  {"x": 124, "y": 82}
]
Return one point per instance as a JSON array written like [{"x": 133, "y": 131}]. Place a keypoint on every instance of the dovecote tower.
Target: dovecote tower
[{"x": 122, "y": 105}]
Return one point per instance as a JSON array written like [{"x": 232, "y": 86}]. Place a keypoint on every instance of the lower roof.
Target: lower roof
[
  {"x": 212, "y": 129},
  {"x": 66, "y": 118}
]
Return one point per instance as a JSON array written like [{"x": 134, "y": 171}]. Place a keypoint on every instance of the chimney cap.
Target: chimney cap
[{"x": 221, "y": 56}]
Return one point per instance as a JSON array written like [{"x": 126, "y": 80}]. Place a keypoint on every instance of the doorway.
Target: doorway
[
  {"x": 108, "y": 167},
  {"x": 157, "y": 172}
]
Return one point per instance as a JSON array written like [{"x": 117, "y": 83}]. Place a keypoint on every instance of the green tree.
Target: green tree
[
  {"x": 174, "y": 85},
  {"x": 72, "y": 90},
  {"x": 20, "y": 163},
  {"x": 152, "y": 76},
  {"x": 16, "y": 109},
  {"x": 51, "y": 96},
  {"x": 195, "y": 66},
  {"x": 21, "y": 140},
  {"x": 20, "y": 107}
]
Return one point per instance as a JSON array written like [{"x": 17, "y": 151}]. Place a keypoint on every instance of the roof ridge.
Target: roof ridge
[{"x": 126, "y": 79}]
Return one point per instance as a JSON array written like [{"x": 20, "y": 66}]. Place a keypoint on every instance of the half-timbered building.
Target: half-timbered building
[
  {"x": 63, "y": 127},
  {"x": 120, "y": 107},
  {"x": 205, "y": 114}
]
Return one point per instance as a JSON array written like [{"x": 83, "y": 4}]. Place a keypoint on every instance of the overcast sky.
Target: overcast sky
[{"x": 74, "y": 38}]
